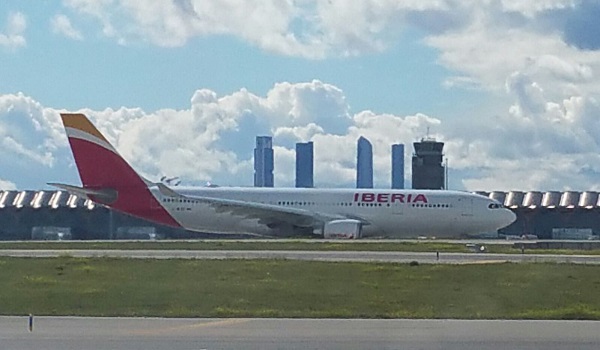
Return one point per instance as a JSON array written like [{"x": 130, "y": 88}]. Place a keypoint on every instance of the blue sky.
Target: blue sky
[
  {"x": 97, "y": 73},
  {"x": 182, "y": 87}
]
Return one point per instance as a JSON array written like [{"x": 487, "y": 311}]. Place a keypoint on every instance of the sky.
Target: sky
[{"x": 182, "y": 87}]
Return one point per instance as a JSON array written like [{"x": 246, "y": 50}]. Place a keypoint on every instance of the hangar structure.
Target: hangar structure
[
  {"x": 28, "y": 215},
  {"x": 551, "y": 214},
  {"x": 44, "y": 214}
]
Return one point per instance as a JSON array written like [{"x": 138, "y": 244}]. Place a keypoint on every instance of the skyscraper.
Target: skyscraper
[
  {"x": 304, "y": 164},
  {"x": 398, "y": 166},
  {"x": 263, "y": 162},
  {"x": 427, "y": 168},
  {"x": 364, "y": 163}
]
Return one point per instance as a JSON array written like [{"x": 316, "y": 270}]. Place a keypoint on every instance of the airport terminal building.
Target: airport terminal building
[
  {"x": 28, "y": 215},
  {"x": 552, "y": 214},
  {"x": 57, "y": 215}
]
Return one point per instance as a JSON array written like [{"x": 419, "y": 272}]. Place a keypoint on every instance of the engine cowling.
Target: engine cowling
[{"x": 342, "y": 229}]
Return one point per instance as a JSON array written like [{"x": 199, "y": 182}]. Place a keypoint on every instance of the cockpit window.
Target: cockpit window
[{"x": 495, "y": 206}]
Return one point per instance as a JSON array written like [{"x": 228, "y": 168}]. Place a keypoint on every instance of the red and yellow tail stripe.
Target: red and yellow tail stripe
[{"x": 79, "y": 126}]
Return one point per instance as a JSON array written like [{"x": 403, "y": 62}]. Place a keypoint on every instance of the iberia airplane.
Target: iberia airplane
[{"x": 333, "y": 213}]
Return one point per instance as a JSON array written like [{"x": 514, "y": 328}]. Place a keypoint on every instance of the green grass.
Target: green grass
[
  {"x": 406, "y": 246},
  {"x": 241, "y": 245},
  {"x": 281, "y": 288}
]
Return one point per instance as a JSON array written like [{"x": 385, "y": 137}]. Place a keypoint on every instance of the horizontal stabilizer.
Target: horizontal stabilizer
[
  {"x": 166, "y": 191},
  {"x": 105, "y": 195}
]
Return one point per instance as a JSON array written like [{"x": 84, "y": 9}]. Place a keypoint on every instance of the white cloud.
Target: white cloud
[
  {"x": 538, "y": 142},
  {"x": 555, "y": 171},
  {"x": 308, "y": 28},
  {"x": 29, "y": 130},
  {"x": 7, "y": 185},
  {"x": 531, "y": 8},
  {"x": 285, "y": 161},
  {"x": 12, "y": 36},
  {"x": 61, "y": 24},
  {"x": 542, "y": 131},
  {"x": 471, "y": 35},
  {"x": 290, "y": 135},
  {"x": 171, "y": 23},
  {"x": 528, "y": 37},
  {"x": 214, "y": 138},
  {"x": 488, "y": 55},
  {"x": 11, "y": 145},
  {"x": 335, "y": 154}
]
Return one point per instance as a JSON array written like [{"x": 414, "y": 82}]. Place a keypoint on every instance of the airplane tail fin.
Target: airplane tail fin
[{"x": 106, "y": 177}]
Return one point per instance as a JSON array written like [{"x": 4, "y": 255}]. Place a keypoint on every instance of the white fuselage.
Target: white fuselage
[{"x": 390, "y": 213}]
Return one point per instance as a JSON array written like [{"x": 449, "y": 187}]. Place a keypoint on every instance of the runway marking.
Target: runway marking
[{"x": 207, "y": 324}]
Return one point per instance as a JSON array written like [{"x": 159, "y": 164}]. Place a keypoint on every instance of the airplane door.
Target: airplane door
[
  {"x": 154, "y": 205},
  {"x": 154, "y": 201},
  {"x": 466, "y": 206}
]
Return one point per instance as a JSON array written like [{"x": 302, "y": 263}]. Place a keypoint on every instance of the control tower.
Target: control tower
[{"x": 427, "y": 169}]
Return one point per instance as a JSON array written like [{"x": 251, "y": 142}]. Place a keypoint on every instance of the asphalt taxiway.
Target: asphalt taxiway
[
  {"x": 354, "y": 256},
  {"x": 154, "y": 333}
]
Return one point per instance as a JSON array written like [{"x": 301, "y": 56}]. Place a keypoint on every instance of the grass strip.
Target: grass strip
[
  {"x": 309, "y": 245},
  {"x": 282, "y": 288}
]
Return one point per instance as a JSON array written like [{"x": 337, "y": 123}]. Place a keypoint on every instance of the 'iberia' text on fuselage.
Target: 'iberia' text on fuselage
[{"x": 369, "y": 197}]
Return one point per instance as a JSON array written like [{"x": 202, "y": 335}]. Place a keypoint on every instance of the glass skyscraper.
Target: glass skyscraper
[
  {"x": 398, "y": 166},
  {"x": 364, "y": 164},
  {"x": 263, "y": 162},
  {"x": 304, "y": 164}
]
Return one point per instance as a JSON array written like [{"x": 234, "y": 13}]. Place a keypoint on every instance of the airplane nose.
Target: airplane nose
[{"x": 510, "y": 217}]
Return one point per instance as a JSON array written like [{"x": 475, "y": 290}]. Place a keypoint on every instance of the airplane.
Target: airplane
[{"x": 331, "y": 213}]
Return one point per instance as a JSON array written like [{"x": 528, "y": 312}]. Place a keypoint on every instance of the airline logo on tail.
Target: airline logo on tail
[
  {"x": 106, "y": 176},
  {"x": 79, "y": 127}
]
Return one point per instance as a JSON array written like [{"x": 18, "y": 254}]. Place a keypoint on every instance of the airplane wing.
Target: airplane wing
[{"x": 266, "y": 214}]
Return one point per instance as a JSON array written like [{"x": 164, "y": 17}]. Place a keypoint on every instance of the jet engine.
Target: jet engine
[{"x": 344, "y": 229}]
